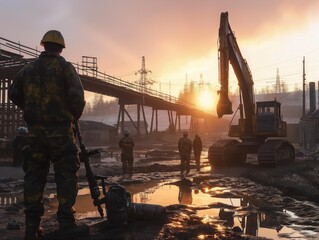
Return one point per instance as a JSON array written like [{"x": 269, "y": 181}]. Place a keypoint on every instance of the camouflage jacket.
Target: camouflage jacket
[
  {"x": 126, "y": 144},
  {"x": 49, "y": 91},
  {"x": 184, "y": 146}
]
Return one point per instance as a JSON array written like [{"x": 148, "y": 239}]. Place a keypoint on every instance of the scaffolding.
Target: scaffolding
[
  {"x": 89, "y": 66},
  {"x": 11, "y": 61}
]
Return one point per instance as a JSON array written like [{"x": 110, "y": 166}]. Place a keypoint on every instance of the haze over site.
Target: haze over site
[{"x": 177, "y": 37}]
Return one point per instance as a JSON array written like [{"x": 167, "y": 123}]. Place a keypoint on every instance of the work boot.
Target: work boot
[
  {"x": 34, "y": 233},
  {"x": 73, "y": 231}
]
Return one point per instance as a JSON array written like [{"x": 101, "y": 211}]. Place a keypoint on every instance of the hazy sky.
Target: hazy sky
[{"x": 177, "y": 37}]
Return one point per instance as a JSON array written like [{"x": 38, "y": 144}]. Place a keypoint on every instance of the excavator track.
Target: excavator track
[
  {"x": 274, "y": 153},
  {"x": 225, "y": 153}
]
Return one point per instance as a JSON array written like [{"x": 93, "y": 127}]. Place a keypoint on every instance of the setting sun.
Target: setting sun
[{"x": 206, "y": 100}]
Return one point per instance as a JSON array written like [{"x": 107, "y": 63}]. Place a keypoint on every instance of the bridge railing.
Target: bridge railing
[
  {"x": 13, "y": 53},
  {"x": 84, "y": 70}
]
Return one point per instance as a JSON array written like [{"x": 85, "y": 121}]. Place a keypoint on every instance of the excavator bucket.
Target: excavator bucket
[{"x": 224, "y": 107}]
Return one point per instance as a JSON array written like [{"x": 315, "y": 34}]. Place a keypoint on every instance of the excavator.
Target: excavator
[{"x": 260, "y": 129}]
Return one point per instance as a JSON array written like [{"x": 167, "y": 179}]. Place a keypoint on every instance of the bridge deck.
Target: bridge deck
[{"x": 13, "y": 56}]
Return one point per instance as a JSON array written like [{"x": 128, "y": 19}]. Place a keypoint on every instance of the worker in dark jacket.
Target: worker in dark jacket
[
  {"x": 50, "y": 93},
  {"x": 198, "y": 147},
  {"x": 127, "y": 144},
  {"x": 19, "y": 143},
  {"x": 185, "y": 150}
]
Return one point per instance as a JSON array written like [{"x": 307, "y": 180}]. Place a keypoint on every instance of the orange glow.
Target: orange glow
[{"x": 206, "y": 100}]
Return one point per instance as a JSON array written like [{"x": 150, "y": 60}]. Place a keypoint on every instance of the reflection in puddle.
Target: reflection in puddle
[
  {"x": 291, "y": 214},
  {"x": 236, "y": 212},
  {"x": 254, "y": 223}
]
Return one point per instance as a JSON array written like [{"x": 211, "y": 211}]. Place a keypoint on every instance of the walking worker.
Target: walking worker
[
  {"x": 198, "y": 147},
  {"x": 50, "y": 93},
  {"x": 185, "y": 149},
  {"x": 127, "y": 144}
]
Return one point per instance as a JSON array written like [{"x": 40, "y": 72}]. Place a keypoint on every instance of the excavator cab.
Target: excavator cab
[{"x": 269, "y": 120}]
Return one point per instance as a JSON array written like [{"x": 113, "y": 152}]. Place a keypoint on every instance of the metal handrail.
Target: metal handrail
[{"x": 32, "y": 53}]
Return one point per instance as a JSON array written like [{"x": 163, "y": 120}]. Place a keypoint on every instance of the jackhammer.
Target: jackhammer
[{"x": 117, "y": 200}]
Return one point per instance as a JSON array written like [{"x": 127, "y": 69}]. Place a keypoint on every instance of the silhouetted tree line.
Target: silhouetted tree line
[
  {"x": 99, "y": 106},
  {"x": 188, "y": 94}
]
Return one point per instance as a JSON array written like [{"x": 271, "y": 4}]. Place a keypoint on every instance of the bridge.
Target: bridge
[{"x": 13, "y": 56}]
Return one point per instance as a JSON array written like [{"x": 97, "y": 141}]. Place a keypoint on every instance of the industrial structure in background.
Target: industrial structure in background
[
  {"x": 144, "y": 82},
  {"x": 13, "y": 56},
  {"x": 258, "y": 122},
  {"x": 309, "y": 123}
]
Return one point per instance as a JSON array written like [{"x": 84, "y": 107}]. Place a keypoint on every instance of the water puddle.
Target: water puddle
[
  {"x": 251, "y": 224},
  {"x": 236, "y": 212},
  {"x": 210, "y": 200}
]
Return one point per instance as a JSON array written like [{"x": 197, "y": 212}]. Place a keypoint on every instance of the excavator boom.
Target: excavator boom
[
  {"x": 258, "y": 121},
  {"x": 229, "y": 52}
]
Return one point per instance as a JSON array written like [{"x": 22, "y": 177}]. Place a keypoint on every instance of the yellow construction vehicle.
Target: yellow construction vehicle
[{"x": 259, "y": 125}]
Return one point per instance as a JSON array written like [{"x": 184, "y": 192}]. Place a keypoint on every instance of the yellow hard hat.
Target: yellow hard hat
[{"x": 53, "y": 36}]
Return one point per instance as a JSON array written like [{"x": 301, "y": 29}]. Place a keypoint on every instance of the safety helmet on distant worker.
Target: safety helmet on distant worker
[
  {"x": 53, "y": 36},
  {"x": 22, "y": 130},
  {"x": 125, "y": 132}
]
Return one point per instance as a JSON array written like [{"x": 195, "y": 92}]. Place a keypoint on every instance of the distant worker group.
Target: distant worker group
[{"x": 185, "y": 146}]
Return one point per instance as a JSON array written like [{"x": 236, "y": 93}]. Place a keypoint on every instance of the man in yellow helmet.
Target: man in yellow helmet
[
  {"x": 53, "y": 36},
  {"x": 50, "y": 93}
]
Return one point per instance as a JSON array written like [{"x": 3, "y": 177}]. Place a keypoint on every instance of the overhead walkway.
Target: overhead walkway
[{"x": 13, "y": 56}]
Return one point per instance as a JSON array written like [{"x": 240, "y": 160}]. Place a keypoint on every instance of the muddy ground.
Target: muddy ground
[{"x": 269, "y": 198}]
